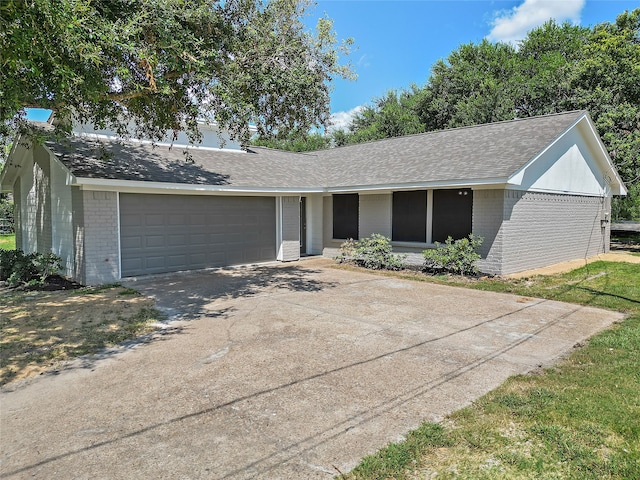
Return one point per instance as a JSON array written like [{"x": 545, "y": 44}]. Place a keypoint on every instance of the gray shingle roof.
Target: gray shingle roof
[
  {"x": 259, "y": 168},
  {"x": 491, "y": 151}
]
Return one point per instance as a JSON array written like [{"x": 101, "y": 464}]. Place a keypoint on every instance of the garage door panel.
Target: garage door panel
[
  {"x": 154, "y": 241},
  {"x": 174, "y": 240},
  {"x": 130, "y": 220},
  {"x": 175, "y": 219},
  {"x": 131, "y": 242},
  {"x": 164, "y": 233}
]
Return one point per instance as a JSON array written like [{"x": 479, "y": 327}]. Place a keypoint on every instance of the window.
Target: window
[
  {"x": 345, "y": 216},
  {"x": 409, "y": 216},
  {"x": 452, "y": 213}
]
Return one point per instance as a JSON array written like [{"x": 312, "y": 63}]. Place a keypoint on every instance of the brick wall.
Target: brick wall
[
  {"x": 290, "y": 247},
  {"x": 35, "y": 202},
  {"x": 99, "y": 237},
  {"x": 542, "y": 229},
  {"x": 62, "y": 217},
  {"x": 77, "y": 210},
  {"x": 488, "y": 212}
]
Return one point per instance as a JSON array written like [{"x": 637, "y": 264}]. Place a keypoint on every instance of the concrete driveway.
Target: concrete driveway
[{"x": 279, "y": 371}]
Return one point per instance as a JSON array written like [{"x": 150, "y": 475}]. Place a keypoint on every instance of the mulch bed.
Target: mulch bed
[{"x": 51, "y": 284}]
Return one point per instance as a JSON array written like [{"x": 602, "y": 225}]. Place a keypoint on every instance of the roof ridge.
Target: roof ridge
[
  {"x": 310, "y": 153},
  {"x": 465, "y": 127}
]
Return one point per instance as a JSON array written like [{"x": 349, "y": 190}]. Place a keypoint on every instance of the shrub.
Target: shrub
[
  {"x": 457, "y": 257},
  {"x": 373, "y": 252},
  {"x": 16, "y": 267}
]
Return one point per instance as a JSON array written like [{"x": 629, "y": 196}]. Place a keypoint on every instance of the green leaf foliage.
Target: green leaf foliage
[
  {"x": 17, "y": 267},
  {"x": 146, "y": 67},
  {"x": 374, "y": 252},
  {"x": 296, "y": 142},
  {"x": 458, "y": 257}
]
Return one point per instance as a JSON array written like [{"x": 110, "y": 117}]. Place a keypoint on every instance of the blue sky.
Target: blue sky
[{"x": 398, "y": 41}]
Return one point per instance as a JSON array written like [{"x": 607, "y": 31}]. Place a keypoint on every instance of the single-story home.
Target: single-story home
[{"x": 538, "y": 190}]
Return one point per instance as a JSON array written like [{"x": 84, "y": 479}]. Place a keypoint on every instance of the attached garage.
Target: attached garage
[{"x": 168, "y": 233}]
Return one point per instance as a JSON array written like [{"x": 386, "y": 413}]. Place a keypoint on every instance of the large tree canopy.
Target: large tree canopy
[{"x": 144, "y": 67}]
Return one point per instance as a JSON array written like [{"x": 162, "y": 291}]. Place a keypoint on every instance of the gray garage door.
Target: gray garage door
[{"x": 168, "y": 233}]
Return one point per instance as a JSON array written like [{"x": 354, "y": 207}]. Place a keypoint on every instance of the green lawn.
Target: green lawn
[
  {"x": 8, "y": 242},
  {"x": 580, "y": 419}
]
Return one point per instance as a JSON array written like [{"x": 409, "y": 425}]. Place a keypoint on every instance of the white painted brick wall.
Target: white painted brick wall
[
  {"x": 62, "y": 217},
  {"x": 488, "y": 212},
  {"x": 100, "y": 237},
  {"x": 290, "y": 228},
  {"x": 35, "y": 202},
  {"x": 542, "y": 229}
]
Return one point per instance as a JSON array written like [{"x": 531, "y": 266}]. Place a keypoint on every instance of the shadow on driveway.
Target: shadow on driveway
[{"x": 185, "y": 296}]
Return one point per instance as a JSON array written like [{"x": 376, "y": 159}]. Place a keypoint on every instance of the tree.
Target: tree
[
  {"x": 607, "y": 83},
  {"x": 476, "y": 84},
  {"x": 546, "y": 59},
  {"x": 392, "y": 115},
  {"x": 144, "y": 67},
  {"x": 296, "y": 142}
]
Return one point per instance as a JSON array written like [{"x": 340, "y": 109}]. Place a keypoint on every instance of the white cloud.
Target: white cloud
[
  {"x": 513, "y": 25},
  {"x": 341, "y": 120},
  {"x": 364, "y": 61}
]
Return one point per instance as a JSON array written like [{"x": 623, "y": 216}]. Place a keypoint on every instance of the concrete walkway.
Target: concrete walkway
[{"x": 279, "y": 371}]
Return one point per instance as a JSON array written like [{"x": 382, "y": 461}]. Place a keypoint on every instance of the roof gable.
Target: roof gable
[{"x": 576, "y": 162}]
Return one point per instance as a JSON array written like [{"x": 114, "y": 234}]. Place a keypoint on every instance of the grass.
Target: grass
[
  {"x": 41, "y": 330},
  {"x": 579, "y": 419},
  {"x": 8, "y": 241}
]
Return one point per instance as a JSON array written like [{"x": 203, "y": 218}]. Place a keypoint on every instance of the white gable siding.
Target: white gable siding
[{"x": 568, "y": 166}]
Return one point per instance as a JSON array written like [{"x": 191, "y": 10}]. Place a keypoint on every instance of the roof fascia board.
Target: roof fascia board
[
  {"x": 482, "y": 182},
  {"x": 134, "y": 186},
  {"x": 553, "y": 191},
  {"x": 12, "y": 162}
]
